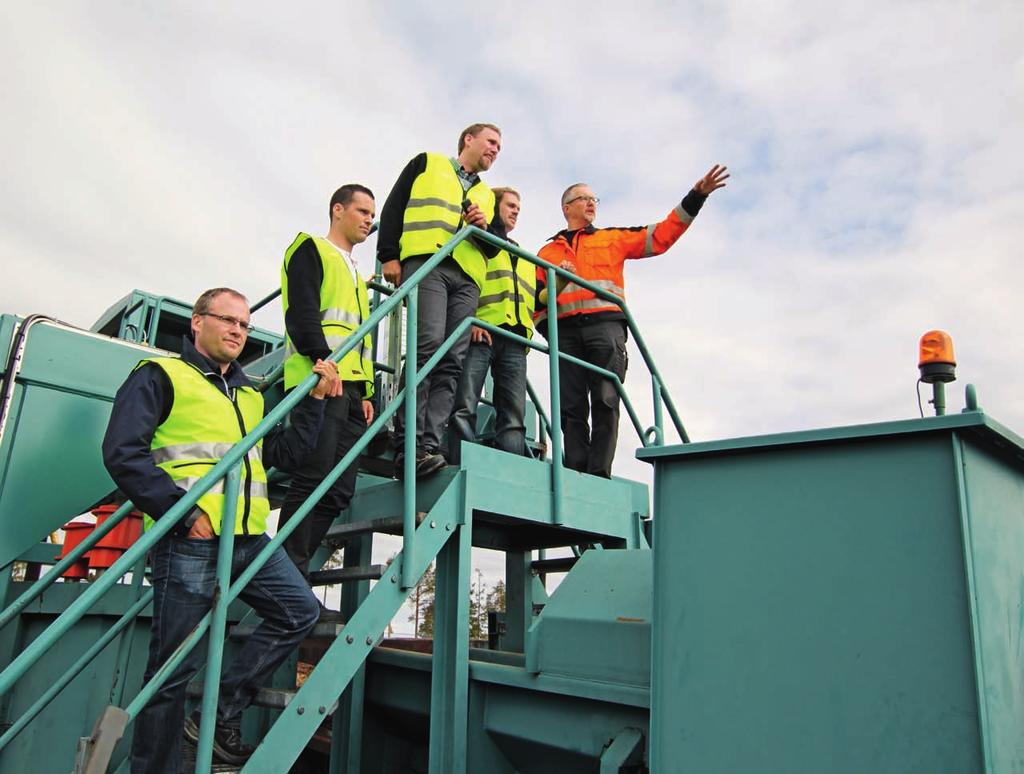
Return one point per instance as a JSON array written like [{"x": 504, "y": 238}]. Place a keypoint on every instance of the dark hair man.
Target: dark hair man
[
  {"x": 594, "y": 329},
  {"x": 325, "y": 300},
  {"x": 432, "y": 199},
  {"x": 172, "y": 421},
  {"x": 507, "y": 301}
]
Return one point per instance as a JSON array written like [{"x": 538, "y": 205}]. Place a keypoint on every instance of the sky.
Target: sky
[{"x": 877, "y": 186}]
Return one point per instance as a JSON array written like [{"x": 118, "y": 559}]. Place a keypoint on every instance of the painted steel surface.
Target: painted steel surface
[{"x": 831, "y": 601}]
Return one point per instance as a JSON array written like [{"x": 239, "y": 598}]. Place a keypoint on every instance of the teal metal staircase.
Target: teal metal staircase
[{"x": 492, "y": 500}]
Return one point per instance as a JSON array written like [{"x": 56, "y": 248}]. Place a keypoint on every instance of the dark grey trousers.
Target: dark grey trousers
[
  {"x": 587, "y": 396},
  {"x": 447, "y": 296}
]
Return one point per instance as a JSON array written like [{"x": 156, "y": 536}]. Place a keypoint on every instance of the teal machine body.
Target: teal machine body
[{"x": 842, "y": 600}]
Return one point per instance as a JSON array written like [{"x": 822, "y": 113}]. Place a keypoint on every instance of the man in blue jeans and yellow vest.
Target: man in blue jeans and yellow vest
[
  {"x": 434, "y": 197},
  {"x": 507, "y": 301},
  {"x": 325, "y": 301},
  {"x": 172, "y": 421}
]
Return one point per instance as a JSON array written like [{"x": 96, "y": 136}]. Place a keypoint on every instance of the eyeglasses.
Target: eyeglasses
[
  {"x": 593, "y": 199},
  {"x": 230, "y": 321}
]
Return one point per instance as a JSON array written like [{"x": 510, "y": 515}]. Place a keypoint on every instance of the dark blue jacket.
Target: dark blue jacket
[{"x": 144, "y": 402}]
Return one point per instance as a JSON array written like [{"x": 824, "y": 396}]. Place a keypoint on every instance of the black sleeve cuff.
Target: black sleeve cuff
[{"x": 692, "y": 202}]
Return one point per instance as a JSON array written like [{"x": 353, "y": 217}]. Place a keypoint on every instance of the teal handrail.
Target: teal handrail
[
  {"x": 211, "y": 688},
  {"x": 54, "y": 573},
  {"x": 83, "y": 661},
  {"x": 228, "y": 465},
  {"x": 607, "y": 296}
]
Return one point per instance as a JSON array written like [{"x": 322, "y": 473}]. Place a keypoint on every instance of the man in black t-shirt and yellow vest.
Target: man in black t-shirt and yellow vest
[
  {"x": 434, "y": 197},
  {"x": 325, "y": 301}
]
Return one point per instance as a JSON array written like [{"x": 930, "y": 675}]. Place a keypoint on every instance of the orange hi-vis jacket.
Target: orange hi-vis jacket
[{"x": 600, "y": 254}]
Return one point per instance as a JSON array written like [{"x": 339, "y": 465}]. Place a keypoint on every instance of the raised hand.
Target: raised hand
[{"x": 712, "y": 181}]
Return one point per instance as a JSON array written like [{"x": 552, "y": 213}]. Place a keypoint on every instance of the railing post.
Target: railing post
[
  {"x": 659, "y": 431},
  {"x": 556, "y": 402},
  {"x": 221, "y": 600},
  {"x": 409, "y": 446}
]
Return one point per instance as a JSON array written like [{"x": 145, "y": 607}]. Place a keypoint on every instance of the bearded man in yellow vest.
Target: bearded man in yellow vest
[
  {"x": 506, "y": 301},
  {"x": 172, "y": 420},
  {"x": 325, "y": 301},
  {"x": 434, "y": 197}
]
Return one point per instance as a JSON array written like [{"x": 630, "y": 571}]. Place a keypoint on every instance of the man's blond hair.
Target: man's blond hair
[
  {"x": 202, "y": 304},
  {"x": 473, "y": 130},
  {"x": 502, "y": 191}
]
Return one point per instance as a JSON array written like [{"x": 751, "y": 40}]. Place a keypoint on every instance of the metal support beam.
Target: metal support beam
[
  {"x": 347, "y": 723},
  {"x": 449, "y": 685},
  {"x": 622, "y": 750},
  {"x": 518, "y": 599}
]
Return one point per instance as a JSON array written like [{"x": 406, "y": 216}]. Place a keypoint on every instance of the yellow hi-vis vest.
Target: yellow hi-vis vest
[
  {"x": 434, "y": 214},
  {"x": 344, "y": 305},
  {"x": 202, "y": 426},
  {"x": 508, "y": 295}
]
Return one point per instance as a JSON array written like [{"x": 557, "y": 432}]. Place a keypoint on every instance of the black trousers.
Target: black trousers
[
  {"x": 590, "y": 403},
  {"x": 344, "y": 423}
]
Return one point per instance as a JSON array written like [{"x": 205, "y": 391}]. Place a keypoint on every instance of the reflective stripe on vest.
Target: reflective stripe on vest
[
  {"x": 344, "y": 304},
  {"x": 199, "y": 451},
  {"x": 575, "y": 299},
  {"x": 202, "y": 426},
  {"x": 433, "y": 215},
  {"x": 508, "y": 296}
]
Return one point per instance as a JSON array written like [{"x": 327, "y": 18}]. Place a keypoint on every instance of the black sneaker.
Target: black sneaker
[
  {"x": 328, "y": 616},
  {"x": 429, "y": 463},
  {"x": 227, "y": 742}
]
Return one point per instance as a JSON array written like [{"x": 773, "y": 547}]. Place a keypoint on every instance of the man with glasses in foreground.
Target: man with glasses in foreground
[
  {"x": 594, "y": 329},
  {"x": 172, "y": 420}
]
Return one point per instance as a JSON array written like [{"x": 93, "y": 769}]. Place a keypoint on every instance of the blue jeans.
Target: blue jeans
[
  {"x": 184, "y": 577},
  {"x": 507, "y": 361}
]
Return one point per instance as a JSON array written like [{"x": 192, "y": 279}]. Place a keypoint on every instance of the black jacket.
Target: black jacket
[{"x": 144, "y": 402}]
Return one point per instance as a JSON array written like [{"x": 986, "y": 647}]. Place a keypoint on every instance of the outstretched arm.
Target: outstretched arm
[{"x": 656, "y": 238}]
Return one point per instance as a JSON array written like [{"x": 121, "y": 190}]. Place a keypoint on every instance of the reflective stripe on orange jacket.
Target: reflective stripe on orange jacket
[{"x": 599, "y": 255}]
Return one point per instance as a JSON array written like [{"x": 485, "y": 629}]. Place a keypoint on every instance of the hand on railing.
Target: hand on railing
[
  {"x": 560, "y": 282},
  {"x": 392, "y": 271},
  {"x": 330, "y": 383}
]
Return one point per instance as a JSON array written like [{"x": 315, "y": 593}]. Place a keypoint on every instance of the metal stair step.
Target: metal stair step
[
  {"x": 274, "y": 698},
  {"x": 343, "y": 574},
  {"x": 322, "y": 631},
  {"x": 389, "y": 525},
  {"x": 557, "y": 564}
]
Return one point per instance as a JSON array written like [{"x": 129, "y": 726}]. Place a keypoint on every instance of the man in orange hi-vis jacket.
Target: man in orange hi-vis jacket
[{"x": 594, "y": 329}]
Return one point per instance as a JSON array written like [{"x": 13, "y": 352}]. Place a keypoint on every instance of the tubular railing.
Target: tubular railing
[{"x": 228, "y": 467}]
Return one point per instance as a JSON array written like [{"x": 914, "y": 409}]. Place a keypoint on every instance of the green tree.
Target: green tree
[
  {"x": 478, "y": 608},
  {"x": 496, "y": 597},
  {"x": 423, "y": 604}
]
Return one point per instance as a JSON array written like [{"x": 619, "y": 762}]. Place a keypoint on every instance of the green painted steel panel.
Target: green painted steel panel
[
  {"x": 812, "y": 610},
  {"x": 56, "y": 422},
  {"x": 994, "y": 495},
  {"x": 597, "y": 623}
]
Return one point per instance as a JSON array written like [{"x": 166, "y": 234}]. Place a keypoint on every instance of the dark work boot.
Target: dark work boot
[{"x": 227, "y": 742}]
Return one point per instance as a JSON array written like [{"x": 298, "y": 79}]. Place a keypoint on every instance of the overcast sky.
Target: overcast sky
[{"x": 877, "y": 187}]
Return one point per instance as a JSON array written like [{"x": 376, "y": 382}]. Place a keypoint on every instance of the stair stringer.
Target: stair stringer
[{"x": 286, "y": 739}]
